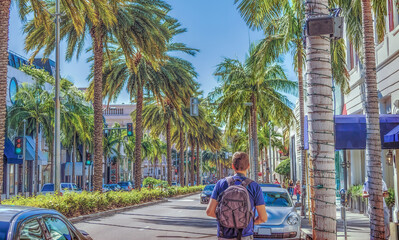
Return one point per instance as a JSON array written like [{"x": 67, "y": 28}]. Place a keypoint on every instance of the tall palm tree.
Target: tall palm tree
[
  {"x": 136, "y": 26},
  {"x": 42, "y": 17},
  {"x": 282, "y": 23},
  {"x": 359, "y": 21},
  {"x": 254, "y": 83},
  {"x": 32, "y": 103},
  {"x": 321, "y": 147}
]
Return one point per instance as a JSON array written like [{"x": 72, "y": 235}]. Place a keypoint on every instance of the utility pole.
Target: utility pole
[
  {"x": 186, "y": 181},
  {"x": 270, "y": 155},
  {"x": 24, "y": 160},
  {"x": 57, "y": 145}
]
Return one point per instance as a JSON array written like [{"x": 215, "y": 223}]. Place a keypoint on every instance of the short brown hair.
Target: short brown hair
[{"x": 240, "y": 161}]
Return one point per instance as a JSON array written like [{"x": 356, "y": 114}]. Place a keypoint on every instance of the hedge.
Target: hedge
[{"x": 77, "y": 204}]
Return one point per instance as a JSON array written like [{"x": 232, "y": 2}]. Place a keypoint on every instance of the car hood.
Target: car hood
[{"x": 277, "y": 215}]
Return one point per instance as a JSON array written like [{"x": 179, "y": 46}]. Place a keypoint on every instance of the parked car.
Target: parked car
[
  {"x": 206, "y": 193},
  {"x": 283, "y": 221},
  {"x": 111, "y": 187},
  {"x": 126, "y": 186},
  {"x": 23, "y": 223},
  {"x": 175, "y": 184},
  {"x": 48, "y": 188},
  {"x": 270, "y": 185}
]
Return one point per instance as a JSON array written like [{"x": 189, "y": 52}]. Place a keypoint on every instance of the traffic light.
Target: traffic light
[
  {"x": 130, "y": 129},
  {"x": 19, "y": 143},
  {"x": 88, "y": 159}
]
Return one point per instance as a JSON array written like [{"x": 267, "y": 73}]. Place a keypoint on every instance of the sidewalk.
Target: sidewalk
[{"x": 357, "y": 225}]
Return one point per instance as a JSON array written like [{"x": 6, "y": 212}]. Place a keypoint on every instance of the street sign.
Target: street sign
[{"x": 194, "y": 102}]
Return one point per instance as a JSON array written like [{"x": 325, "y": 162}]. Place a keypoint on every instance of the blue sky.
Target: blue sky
[{"x": 215, "y": 27}]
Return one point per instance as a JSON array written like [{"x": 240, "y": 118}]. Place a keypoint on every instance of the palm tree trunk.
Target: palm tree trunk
[
  {"x": 169, "y": 151},
  {"x": 321, "y": 147},
  {"x": 84, "y": 166},
  {"x": 198, "y": 165},
  {"x": 154, "y": 165},
  {"x": 181, "y": 163},
  {"x": 98, "y": 50},
  {"x": 4, "y": 28},
  {"x": 254, "y": 120},
  {"x": 74, "y": 159},
  {"x": 139, "y": 134},
  {"x": 302, "y": 123},
  {"x": 36, "y": 187},
  {"x": 373, "y": 140},
  {"x": 267, "y": 180},
  {"x": 192, "y": 172}
]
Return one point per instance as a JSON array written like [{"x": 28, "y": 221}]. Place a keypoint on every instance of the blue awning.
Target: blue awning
[
  {"x": 393, "y": 135},
  {"x": 30, "y": 151},
  {"x": 9, "y": 152},
  {"x": 350, "y": 131}
]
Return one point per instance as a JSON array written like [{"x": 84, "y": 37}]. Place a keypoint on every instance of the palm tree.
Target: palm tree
[
  {"x": 282, "y": 22},
  {"x": 359, "y": 21},
  {"x": 32, "y": 103},
  {"x": 259, "y": 85},
  {"x": 321, "y": 147},
  {"x": 41, "y": 18},
  {"x": 136, "y": 26}
]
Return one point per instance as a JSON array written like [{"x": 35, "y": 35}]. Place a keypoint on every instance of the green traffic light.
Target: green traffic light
[
  {"x": 18, "y": 151},
  {"x": 129, "y": 133}
]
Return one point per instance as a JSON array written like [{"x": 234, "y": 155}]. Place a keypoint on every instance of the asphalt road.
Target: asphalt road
[{"x": 182, "y": 218}]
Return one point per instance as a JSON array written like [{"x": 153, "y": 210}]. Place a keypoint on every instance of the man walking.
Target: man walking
[{"x": 234, "y": 198}]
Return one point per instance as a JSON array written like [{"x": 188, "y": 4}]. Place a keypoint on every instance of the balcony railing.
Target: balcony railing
[{"x": 113, "y": 111}]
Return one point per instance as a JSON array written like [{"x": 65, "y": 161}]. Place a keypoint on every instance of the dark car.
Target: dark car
[
  {"x": 126, "y": 186},
  {"x": 206, "y": 193},
  {"x": 23, "y": 223}
]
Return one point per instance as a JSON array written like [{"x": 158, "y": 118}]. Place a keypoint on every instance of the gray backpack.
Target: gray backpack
[{"x": 234, "y": 209}]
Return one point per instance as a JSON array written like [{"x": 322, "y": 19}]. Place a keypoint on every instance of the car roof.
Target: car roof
[
  {"x": 274, "y": 189},
  {"x": 270, "y": 185},
  {"x": 7, "y": 212}
]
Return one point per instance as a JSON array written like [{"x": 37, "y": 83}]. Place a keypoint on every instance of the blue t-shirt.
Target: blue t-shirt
[{"x": 256, "y": 197}]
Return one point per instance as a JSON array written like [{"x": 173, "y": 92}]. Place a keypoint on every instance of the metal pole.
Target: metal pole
[
  {"x": 24, "y": 161},
  {"x": 57, "y": 144},
  {"x": 343, "y": 208},
  {"x": 270, "y": 154},
  {"x": 186, "y": 181}
]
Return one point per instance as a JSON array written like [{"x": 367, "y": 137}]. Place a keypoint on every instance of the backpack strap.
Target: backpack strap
[
  {"x": 231, "y": 181},
  {"x": 246, "y": 182}
]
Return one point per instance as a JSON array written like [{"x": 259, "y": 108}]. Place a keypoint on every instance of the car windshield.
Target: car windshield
[
  {"x": 209, "y": 188},
  {"x": 4, "y": 230},
  {"x": 69, "y": 186},
  {"x": 123, "y": 184},
  {"x": 277, "y": 199},
  {"x": 48, "y": 187}
]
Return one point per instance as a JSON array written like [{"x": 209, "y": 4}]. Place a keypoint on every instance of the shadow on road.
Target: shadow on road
[
  {"x": 169, "y": 230},
  {"x": 174, "y": 221},
  {"x": 190, "y": 208}
]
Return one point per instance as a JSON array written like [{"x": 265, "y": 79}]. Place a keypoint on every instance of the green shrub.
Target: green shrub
[
  {"x": 284, "y": 168},
  {"x": 390, "y": 200},
  {"x": 76, "y": 204},
  {"x": 356, "y": 190}
]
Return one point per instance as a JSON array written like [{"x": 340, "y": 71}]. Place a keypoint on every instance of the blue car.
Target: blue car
[
  {"x": 206, "y": 193},
  {"x": 23, "y": 223}
]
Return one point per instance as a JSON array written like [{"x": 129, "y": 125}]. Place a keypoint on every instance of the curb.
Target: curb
[{"x": 123, "y": 209}]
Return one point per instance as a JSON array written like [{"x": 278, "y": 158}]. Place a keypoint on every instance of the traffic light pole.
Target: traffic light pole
[
  {"x": 24, "y": 160},
  {"x": 57, "y": 122}
]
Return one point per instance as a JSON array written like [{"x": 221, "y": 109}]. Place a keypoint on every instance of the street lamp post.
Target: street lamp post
[{"x": 57, "y": 145}]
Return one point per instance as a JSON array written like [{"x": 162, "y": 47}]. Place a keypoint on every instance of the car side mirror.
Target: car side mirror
[
  {"x": 83, "y": 232},
  {"x": 298, "y": 204}
]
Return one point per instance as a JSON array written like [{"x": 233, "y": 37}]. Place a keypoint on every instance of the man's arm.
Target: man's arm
[
  {"x": 211, "y": 209},
  {"x": 262, "y": 215}
]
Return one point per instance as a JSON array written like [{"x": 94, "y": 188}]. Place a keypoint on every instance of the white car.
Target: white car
[
  {"x": 283, "y": 222},
  {"x": 48, "y": 188}
]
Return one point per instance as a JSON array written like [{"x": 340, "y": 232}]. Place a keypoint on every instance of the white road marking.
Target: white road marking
[{"x": 185, "y": 200}]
